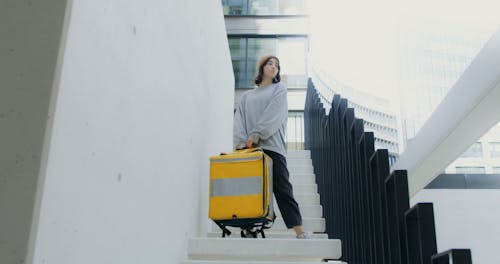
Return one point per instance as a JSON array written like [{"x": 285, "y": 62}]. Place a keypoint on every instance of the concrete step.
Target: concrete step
[
  {"x": 313, "y": 225},
  {"x": 298, "y": 162},
  {"x": 305, "y": 199},
  {"x": 305, "y": 188},
  {"x": 255, "y": 262},
  {"x": 298, "y": 154},
  {"x": 293, "y": 169},
  {"x": 288, "y": 234},
  {"x": 306, "y": 211},
  {"x": 269, "y": 249},
  {"x": 302, "y": 179},
  {"x": 310, "y": 224},
  {"x": 302, "y": 176}
]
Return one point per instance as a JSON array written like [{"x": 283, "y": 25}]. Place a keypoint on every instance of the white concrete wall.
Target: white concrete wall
[
  {"x": 486, "y": 160},
  {"x": 466, "y": 219},
  {"x": 30, "y": 33},
  {"x": 143, "y": 95}
]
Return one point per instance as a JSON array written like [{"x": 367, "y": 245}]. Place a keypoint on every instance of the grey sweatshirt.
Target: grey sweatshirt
[{"x": 262, "y": 115}]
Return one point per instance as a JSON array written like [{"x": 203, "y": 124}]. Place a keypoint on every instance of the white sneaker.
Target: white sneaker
[{"x": 304, "y": 235}]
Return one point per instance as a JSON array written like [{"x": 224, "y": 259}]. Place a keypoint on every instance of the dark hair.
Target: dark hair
[{"x": 262, "y": 62}]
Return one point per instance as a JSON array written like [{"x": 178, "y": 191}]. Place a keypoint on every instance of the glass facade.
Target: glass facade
[
  {"x": 263, "y": 7},
  {"x": 471, "y": 170},
  {"x": 374, "y": 111},
  {"x": 495, "y": 149},
  {"x": 474, "y": 151},
  {"x": 292, "y": 52},
  {"x": 432, "y": 56}
]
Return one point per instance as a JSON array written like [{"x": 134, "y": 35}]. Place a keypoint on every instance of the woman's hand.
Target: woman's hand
[{"x": 249, "y": 143}]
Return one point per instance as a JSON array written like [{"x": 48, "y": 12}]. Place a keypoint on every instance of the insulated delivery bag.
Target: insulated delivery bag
[{"x": 241, "y": 191}]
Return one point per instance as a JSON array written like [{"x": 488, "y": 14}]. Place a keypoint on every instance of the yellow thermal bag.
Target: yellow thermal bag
[{"x": 241, "y": 190}]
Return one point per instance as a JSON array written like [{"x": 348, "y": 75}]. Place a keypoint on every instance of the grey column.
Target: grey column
[{"x": 30, "y": 37}]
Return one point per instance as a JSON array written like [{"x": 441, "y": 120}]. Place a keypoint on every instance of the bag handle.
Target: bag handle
[
  {"x": 248, "y": 150},
  {"x": 244, "y": 150}
]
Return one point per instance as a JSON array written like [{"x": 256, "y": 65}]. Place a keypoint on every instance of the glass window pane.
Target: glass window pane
[
  {"x": 237, "y": 47},
  {"x": 474, "y": 151},
  {"x": 234, "y": 7},
  {"x": 496, "y": 170},
  {"x": 292, "y": 52},
  {"x": 495, "y": 149},
  {"x": 263, "y": 7},
  {"x": 257, "y": 47},
  {"x": 251, "y": 72},
  {"x": 239, "y": 73},
  {"x": 292, "y": 7},
  {"x": 471, "y": 170}
]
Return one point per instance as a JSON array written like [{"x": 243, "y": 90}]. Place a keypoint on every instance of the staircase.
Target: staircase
[{"x": 280, "y": 245}]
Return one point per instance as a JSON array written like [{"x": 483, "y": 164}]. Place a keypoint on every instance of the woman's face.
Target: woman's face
[{"x": 271, "y": 68}]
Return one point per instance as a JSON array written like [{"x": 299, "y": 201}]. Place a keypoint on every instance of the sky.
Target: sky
[{"x": 356, "y": 41}]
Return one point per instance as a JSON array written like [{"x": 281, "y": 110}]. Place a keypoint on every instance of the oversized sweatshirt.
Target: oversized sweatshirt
[{"x": 261, "y": 116}]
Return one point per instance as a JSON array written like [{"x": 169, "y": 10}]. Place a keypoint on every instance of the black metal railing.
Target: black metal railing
[{"x": 365, "y": 205}]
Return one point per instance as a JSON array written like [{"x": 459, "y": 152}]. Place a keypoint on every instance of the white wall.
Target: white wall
[
  {"x": 145, "y": 96},
  {"x": 486, "y": 160},
  {"x": 466, "y": 219}
]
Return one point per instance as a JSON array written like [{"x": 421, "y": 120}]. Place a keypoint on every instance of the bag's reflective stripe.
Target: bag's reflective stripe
[
  {"x": 237, "y": 186},
  {"x": 236, "y": 159}
]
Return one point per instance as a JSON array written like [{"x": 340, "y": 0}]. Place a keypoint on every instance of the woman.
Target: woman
[{"x": 260, "y": 120}]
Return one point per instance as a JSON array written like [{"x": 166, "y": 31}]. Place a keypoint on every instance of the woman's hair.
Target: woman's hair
[{"x": 262, "y": 62}]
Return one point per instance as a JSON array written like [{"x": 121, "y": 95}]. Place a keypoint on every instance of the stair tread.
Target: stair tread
[
  {"x": 310, "y": 224},
  {"x": 273, "y": 234},
  {"x": 253, "y": 262},
  {"x": 307, "y": 218},
  {"x": 263, "y": 249},
  {"x": 305, "y": 188},
  {"x": 307, "y": 211}
]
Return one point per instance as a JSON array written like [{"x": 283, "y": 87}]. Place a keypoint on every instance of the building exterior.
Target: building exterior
[
  {"x": 256, "y": 28},
  {"x": 375, "y": 111},
  {"x": 432, "y": 56}
]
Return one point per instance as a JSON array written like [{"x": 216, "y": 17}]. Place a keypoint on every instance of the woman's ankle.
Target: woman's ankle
[{"x": 298, "y": 230}]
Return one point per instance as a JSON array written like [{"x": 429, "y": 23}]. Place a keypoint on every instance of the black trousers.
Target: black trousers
[{"x": 283, "y": 191}]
